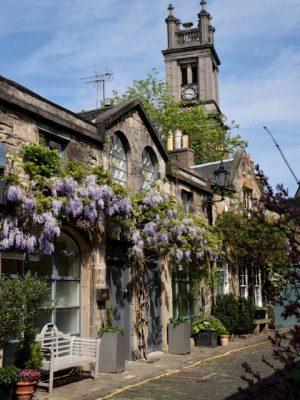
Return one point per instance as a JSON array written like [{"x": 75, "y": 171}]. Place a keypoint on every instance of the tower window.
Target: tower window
[
  {"x": 184, "y": 75},
  {"x": 195, "y": 74}
]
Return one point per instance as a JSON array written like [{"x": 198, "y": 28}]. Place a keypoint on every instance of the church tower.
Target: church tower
[{"x": 192, "y": 63}]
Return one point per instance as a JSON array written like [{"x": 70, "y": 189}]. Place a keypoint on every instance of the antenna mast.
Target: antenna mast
[
  {"x": 98, "y": 81},
  {"x": 283, "y": 156}
]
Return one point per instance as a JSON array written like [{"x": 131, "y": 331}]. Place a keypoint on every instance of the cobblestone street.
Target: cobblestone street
[{"x": 209, "y": 380}]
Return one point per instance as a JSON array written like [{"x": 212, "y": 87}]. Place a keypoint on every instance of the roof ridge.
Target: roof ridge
[{"x": 212, "y": 163}]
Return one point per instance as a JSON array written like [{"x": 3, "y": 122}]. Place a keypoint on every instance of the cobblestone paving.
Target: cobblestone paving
[{"x": 212, "y": 380}]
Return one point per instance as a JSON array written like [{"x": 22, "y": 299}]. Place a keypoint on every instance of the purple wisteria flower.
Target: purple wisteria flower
[{"x": 15, "y": 194}]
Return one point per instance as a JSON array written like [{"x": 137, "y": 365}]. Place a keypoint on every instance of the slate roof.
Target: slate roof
[{"x": 207, "y": 170}]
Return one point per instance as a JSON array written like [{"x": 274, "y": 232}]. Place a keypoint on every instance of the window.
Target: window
[
  {"x": 195, "y": 74},
  {"x": 184, "y": 75},
  {"x": 118, "y": 160},
  {"x": 187, "y": 201},
  {"x": 2, "y": 157},
  {"x": 257, "y": 287},
  {"x": 61, "y": 271},
  {"x": 181, "y": 292},
  {"x": 247, "y": 199},
  {"x": 222, "y": 279},
  {"x": 148, "y": 170},
  {"x": 243, "y": 282},
  {"x": 54, "y": 144}
]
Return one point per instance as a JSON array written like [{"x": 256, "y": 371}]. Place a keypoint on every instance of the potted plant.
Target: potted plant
[
  {"x": 179, "y": 336},
  {"x": 260, "y": 312},
  {"x": 25, "y": 386},
  {"x": 112, "y": 349},
  {"x": 224, "y": 335},
  {"x": 8, "y": 377},
  {"x": 204, "y": 331}
]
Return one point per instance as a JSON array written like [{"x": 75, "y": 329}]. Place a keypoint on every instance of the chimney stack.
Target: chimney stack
[{"x": 179, "y": 150}]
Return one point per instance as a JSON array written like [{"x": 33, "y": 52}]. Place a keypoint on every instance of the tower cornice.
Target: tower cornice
[{"x": 211, "y": 47}]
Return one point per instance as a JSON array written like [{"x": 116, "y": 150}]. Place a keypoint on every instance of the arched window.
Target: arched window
[
  {"x": 61, "y": 271},
  {"x": 118, "y": 160},
  {"x": 148, "y": 170}
]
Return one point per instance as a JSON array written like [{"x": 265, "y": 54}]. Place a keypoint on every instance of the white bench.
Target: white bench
[{"x": 62, "y": 351}]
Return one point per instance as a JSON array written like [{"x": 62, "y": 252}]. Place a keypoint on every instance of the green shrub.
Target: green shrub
[
  {"x": 246, "y": 316},
  {"x": 35, "y": 357},
  {"x": 178, "y": 321},
  {"x": 8, "y": 375},
  {"x": 41, "y": 161},
  {"x": 236, "y": 314},
  {"x": 21, "y": 300},
  {"x": 226, "y": 310}
]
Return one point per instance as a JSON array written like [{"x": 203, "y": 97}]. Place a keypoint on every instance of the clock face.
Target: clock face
[{"x": 189, "y": 94}]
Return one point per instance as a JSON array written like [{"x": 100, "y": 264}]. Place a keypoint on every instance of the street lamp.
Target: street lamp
[{"x": 221, "y": 175}]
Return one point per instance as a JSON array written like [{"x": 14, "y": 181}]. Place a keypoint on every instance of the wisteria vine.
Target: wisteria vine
[{"x": 152, "y": 222}]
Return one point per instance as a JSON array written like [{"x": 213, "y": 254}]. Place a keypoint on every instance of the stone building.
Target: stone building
[{"x": 123, "y": 140}]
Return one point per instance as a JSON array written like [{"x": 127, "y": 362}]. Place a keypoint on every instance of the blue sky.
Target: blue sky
[{"x": 48, "y": 45}]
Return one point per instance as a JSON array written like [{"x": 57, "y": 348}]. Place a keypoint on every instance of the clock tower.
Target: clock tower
[{"x": 192, "y": 63}]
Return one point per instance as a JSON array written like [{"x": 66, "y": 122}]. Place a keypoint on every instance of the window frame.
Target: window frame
[
  {"x": 187, "y": 205},
  {"x": 112, "y": 155},
  {"x": 153, "y": 161},
  {"x": 243, "y": 276}
]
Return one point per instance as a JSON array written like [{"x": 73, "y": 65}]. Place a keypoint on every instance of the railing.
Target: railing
[{"x": 188, "y": 37}]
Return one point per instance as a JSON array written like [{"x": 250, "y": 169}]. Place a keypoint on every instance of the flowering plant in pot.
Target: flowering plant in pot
[
  {"x": 9, "y": 375},
  {"x": 26, "y": 384}
]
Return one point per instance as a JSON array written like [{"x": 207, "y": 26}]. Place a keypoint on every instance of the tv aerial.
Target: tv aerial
[{"x": 98, "y": 81}]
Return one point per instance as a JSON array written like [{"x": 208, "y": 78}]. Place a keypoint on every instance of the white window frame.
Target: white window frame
[
  {"x": 148, "y": 170},
  {"x": 243, "y": 281},
  {"x": 257, "y": 290},
  {"x": 118, "y": 155}
]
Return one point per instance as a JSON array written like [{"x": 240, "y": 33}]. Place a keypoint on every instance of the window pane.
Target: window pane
[
  {"x": 184, "y": 75},
  {"x": 67, "y": 260},
  {"x": 11, "y": 266},
  {"x": 41, "y": 265},
  {"x": 43, "y": 319},
  {"x": 67, "y": 320},
  {"x": 195, "y": 73},
  {"x": 118, "y": 160},
  {"x": 67, "y": 294}
]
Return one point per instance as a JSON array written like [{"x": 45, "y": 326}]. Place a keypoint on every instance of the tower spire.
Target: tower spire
[
  {"x": 171, "y": 9},
  {"x": 203, "y": 4}
]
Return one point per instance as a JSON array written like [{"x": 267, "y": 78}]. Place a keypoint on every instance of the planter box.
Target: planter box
[
  {"x": 112, "y": 352},
  {"x": 6, "y": 392},
  {"x": 206, "y": 338},
  {"x": 260, "y": 314},
  {"x": 179, "y": 338}
]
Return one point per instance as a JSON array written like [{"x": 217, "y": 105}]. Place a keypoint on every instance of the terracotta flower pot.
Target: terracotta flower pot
[
  {"x": 224, "y": 339},
  {"x": 25, "y": 390}
]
